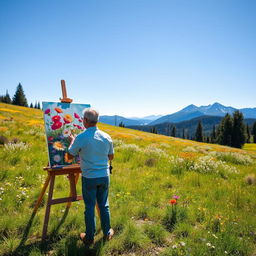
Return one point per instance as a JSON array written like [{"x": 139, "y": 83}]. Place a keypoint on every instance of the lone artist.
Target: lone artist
[{"x": 95, "y": 149}]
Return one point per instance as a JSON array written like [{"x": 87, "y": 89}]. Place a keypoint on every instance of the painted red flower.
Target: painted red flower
[
  {"x": 76, "y": 115},
  {"x": 56, "y": 118},
  {"x": 47, "y": 111},
  {"x": 79, "y": 127},
  {"x": 56, "y": 125},
  {"x": 58, "y": 110},
  {"x": 50, "y": 138},
  {"x": 80, "y": 120}
]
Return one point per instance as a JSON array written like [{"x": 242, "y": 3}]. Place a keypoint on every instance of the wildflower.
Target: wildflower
[
  {"x": 58, "y": 145},
  {"x": 225, "y": 252},
  {"x": 214, "y": 236},
  {"x": 67, "y": 119},
  {"x": 58, "y": 110},
  {"x": 174, "y": 246},
  {"x": 208, "y": 244},
  {"x": 182, "y": 243},
  {"x": 56, "y": 125},
  {"x": 47, "y": 111},
  {"x": 76, "y": 116},
  {"x": 213, "y": 247},
  {"x": 176, "y": 197},
  {"x": 66, "y": 133},
  {"x": 56, "y": 118},
  {"x": 57, "y": 158},
  {"x": 173, "y": 201}
]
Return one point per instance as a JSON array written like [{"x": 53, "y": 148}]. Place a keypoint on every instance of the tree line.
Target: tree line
[
  {"x": 19, "y": 98},
  {"x": 231, "y": 131}
]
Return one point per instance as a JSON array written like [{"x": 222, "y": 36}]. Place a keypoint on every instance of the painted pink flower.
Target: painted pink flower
[
  {"x": 47, "y": 111},
  {"x": 56, "y": 125},
  {"x": 56, "y": 118},
  {"x": 80, "y": 120},
  {"x": 76, "y": 115},
  {"x": 79, "y": 127}
]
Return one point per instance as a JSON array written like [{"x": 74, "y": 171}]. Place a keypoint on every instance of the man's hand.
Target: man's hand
[
  {"x": 71, "y": 138},
  {"x": 111, "y": 157}
]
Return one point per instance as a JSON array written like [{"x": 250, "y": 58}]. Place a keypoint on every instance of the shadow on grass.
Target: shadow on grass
[{"x": 71, "y": 244}]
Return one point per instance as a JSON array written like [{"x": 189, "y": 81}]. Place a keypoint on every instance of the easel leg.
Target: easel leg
[
  {"x": 75, "y": 182},
  {"x": 48, "y": 207},
  {"x": 39, "y": 200}
]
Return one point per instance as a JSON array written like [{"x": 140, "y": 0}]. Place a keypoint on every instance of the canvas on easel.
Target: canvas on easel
[{"x": 62, "y": 119}]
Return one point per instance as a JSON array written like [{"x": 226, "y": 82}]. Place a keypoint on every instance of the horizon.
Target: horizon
[{"x": 131, "y": 58}]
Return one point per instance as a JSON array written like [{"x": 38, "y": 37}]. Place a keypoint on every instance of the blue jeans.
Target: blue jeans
[{"x": 96, "y": 189}]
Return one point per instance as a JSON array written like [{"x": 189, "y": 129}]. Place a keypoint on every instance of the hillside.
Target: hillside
[{"x": 215, "y": 187}]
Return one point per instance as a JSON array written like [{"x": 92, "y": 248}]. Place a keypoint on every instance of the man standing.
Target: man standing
[{"x": 95, "y": 149}]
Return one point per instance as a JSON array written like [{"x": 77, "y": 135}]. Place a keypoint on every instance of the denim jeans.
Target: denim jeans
[{"x": 96, "y": 189}]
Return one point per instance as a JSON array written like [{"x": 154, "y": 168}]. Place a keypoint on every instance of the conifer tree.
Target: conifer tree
[
  {"x": 183, "y": 133},
  {"x": 239, "y": 131},
  {"x": 248, "y": 139},
  {"x": 31, "y": 105},
  {"x": 38, "y": 105},
  {"x": 173, "y": 132},
  {"x": 35, "y": 105},
  {"x": 213, "y": 135},
  {"x": 199, "y": 132},
  {"x": 226, "y": 132},
  {"x": 19, "y": 97},
  {"x": 6, "y": 98},
  {"x": 254, "y": 132}
]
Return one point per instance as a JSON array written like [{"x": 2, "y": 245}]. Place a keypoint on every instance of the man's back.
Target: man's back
[{"x": 93, "y": 146}]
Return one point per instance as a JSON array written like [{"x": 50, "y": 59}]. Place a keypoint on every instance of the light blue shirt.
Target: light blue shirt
[{"x": 93, "y": 147}]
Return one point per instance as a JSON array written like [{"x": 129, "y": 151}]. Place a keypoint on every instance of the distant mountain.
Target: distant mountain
[
  {"x": 116, "y": 120},
  {"x": 193, "y": 111}
]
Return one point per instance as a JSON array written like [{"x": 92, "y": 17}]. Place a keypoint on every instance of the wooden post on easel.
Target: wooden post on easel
[{"x": 73, "y": 172}]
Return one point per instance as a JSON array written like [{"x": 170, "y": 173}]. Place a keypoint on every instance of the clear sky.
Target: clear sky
[{"x": 131, "y": 57}]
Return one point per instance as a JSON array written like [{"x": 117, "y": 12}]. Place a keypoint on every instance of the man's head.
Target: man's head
[{"x": 91, "y": 117}]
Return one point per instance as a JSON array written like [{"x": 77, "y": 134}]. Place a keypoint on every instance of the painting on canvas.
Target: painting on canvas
[{"x": 62, "y": 119}]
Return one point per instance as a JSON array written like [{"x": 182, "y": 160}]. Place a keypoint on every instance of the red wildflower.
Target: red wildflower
[
  {"x": 173, "y": 201},
  {"x": 56, "y": 118}
]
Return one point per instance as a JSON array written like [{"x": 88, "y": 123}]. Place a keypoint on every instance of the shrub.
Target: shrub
[
  {"x": 250, "y": 179},
  {"x": 3, "y": 140},
  {"x": 156, "y": 233},
  {"x": 233, "y": 157}
]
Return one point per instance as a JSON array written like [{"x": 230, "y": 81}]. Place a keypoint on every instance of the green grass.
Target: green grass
[{"x": 215, "y": 214}]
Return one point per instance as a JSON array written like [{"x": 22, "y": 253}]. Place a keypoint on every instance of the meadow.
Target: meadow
[{"x": 168, "y": 196}]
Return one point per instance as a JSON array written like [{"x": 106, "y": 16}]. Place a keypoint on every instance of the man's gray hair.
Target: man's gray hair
[{"x": 91, "y": 115}]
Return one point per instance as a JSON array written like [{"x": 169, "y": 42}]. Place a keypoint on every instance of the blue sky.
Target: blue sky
[{"x": 131, "y": 57}]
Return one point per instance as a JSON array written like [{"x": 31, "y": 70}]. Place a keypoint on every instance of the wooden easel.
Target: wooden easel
[{"x": 73, "y": 172}]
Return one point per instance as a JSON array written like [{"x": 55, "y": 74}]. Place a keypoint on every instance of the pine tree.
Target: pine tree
[
  {"x": 38, "y": 105},
  {"x": 213, "y": 135},
  {"x": 183, "y": 133},
  {"x": 31, "y": 105},
  {"x": 6, "y": 98},
  {"x": 153, "y": 130},
  {"x": 121, "y": 124},
  {"x": 239, "y": 131},
  {"x": 173, "y": 132},
  {"x": 254, "y": 132},
  {"x": 248, "y": 139},
  {"x": 224, "y": 133},
  {"x": 199, "y": 132},
  {"x": 19, "y": 97},
  {"x": 35, "y": 105}
]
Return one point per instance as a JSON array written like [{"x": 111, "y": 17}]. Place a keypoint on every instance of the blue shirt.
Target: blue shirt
[{"x": 93, "y": 146}]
